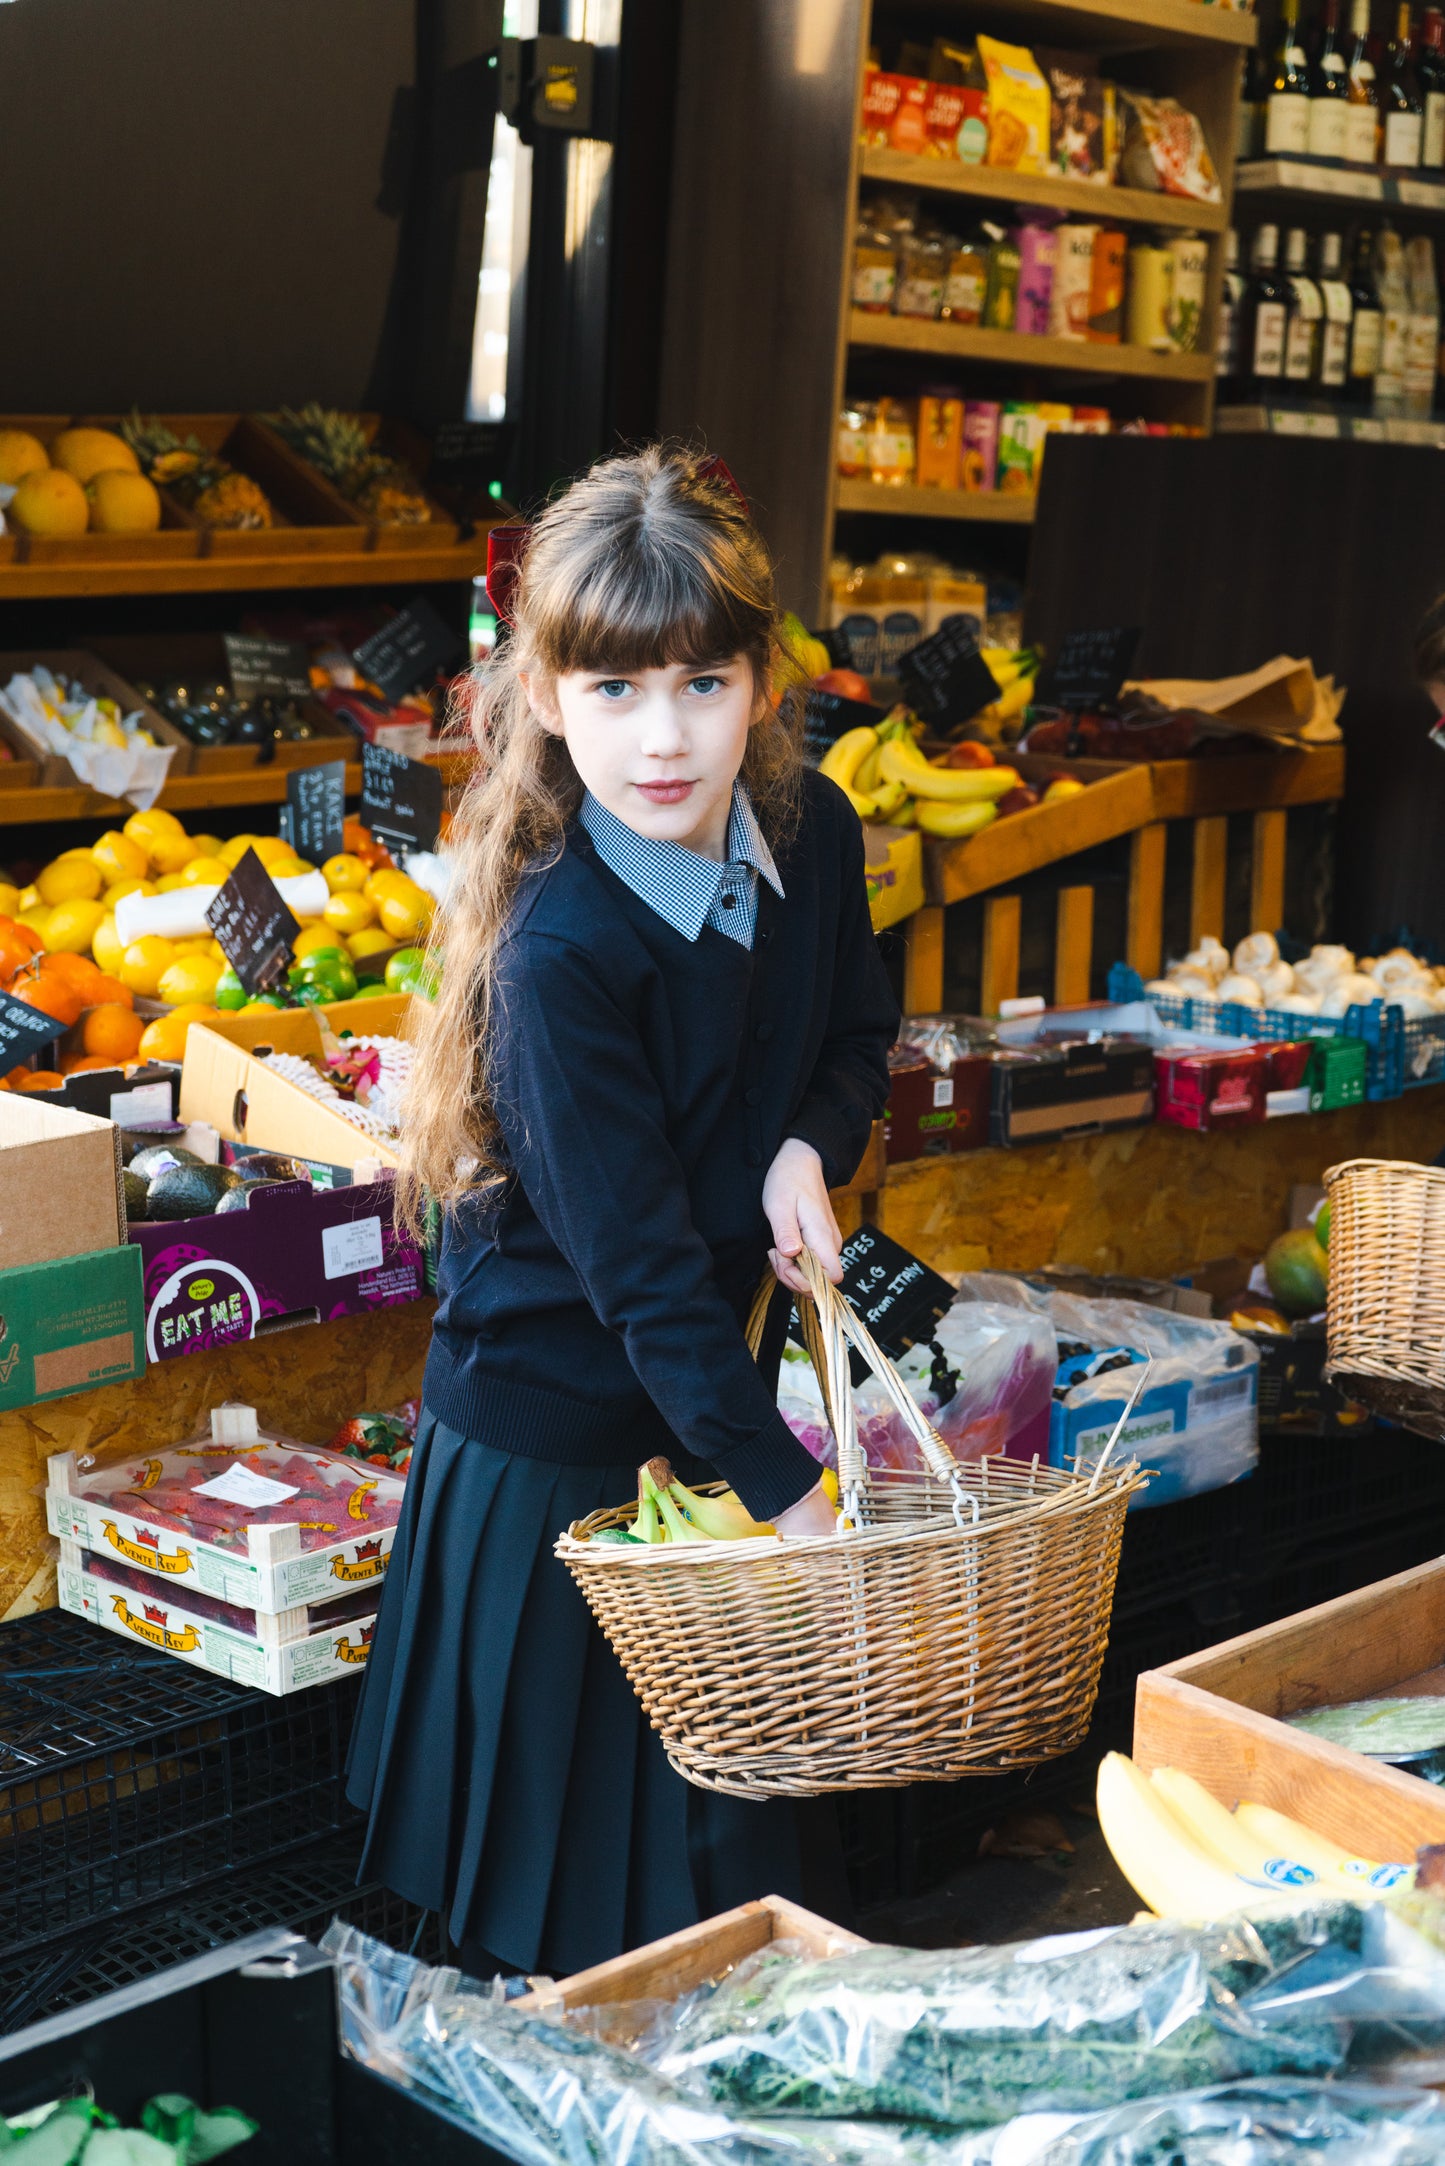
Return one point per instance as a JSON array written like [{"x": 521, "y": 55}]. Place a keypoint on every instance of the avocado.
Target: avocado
[
  {"x": 238, "y": 1199},
  {"x": 1298, "y": 1272},
  {"x": 157, "y": 1156},
  {"x": 189, "y": 1191},
  {"x": 137, "y": 1190},
  {"x": 270, "y": 1166}
]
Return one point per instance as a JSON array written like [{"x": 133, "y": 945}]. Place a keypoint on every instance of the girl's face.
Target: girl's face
[{"x": 660, "y": 748}]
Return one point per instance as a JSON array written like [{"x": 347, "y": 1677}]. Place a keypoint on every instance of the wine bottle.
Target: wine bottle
[
  {"x": 1362, "y": 92},
  {"x": 1231, "y": 321},
  {"x": 1422, "y": 335},
  {"x": 1394, "y": 292},
  {"x": 1249, "y": 126},
  {"x": 1266, "y": 307},
  {"x": 1366, "y": 324},
  {"x": 1328, "y": 89},
  {"x": 1430, "y": 73},
  {"x": 1287, "y": 107},
  {"x": 1400, "y": 99},
  {"x": 1339, "y": 315},
  {"x": 1304, "y": 324}
]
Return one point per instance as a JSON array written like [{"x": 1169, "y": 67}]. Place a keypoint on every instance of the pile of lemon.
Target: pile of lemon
[{"x": 71, "y": 908}]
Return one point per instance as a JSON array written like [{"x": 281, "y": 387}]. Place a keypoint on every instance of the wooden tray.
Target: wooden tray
[
  {"x": 1217, "y": 1714},
  {"x": 176, "y": 539},
  {"x": 203, "y": 654},
  {"x": 680, "y": 1962},
  {"x": 307, "y": 484},
  {"x": 52, "y": 769}
]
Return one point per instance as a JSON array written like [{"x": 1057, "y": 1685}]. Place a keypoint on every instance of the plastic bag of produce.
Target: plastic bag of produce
[
  {"x": 1263, "y": 2123},
  {"x": 1197, "y": 1421}
]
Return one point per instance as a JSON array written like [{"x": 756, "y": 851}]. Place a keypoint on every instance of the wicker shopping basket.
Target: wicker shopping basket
[
  {"x": 1386, "y": 1325},
  {"x": 954, "y": 1625}
]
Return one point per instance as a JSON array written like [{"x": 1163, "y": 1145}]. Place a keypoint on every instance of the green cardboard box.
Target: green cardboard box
[{"x": 70, "y": 1325}]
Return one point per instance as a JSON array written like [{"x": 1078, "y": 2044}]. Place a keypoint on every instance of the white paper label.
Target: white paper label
[
  {"x": 1327, "y": 127},
  {"x": 1365, "y": 343},
  {"x": 356, "y": 1246},
  {"x": 151, "y": 1102},
  {"x": 240, "y": 1485},
  {"x": 1402, "y": 139},
  {"x": 1360, "y": 124},
  {"x": 1269, "y": 338},
  {"x": 1287, "y": 125},
  {"x": 1432, "y": 147}
]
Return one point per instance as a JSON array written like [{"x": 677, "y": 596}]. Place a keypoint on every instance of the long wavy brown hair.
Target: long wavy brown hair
[{"x": 647, "y": 561}]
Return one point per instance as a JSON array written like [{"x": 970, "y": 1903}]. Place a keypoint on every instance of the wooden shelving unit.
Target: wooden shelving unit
[
  {"x": 1303, "y": 180},
  {"x": 990, "y": 505},
  {"x": 972, "y": 342},
  {"x": 54, "y": 570},
  {"x": 1048, "y": 191}
]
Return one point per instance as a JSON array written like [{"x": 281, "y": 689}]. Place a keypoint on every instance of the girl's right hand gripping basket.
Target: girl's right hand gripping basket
[{"x": 954, "y": 1625}]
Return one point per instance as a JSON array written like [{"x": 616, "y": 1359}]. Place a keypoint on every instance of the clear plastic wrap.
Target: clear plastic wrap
[
  {"x": 1261, "y": 2123},
  {"x": 971, "y": 2037}
]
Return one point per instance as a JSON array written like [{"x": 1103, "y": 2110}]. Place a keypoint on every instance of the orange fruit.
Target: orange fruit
[
  {"x": 51, "y": 995},
  {"x": 164, "y": 1039},
  {"x": 112, "y": 1033},
  {"x": 111, "y": 992},
  {"x": 76, "y": 970},
  {"x": 40, "y": 1079},
  {"x": 81, "y": 1061}
]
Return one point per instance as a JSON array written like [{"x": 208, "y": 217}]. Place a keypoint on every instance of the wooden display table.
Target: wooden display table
[{"x": 305, "y": 1382}]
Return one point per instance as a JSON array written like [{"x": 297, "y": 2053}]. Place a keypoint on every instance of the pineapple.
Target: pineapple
[
  {"x": 336, "y": 445},
  {"x": 201, "y": 480}
]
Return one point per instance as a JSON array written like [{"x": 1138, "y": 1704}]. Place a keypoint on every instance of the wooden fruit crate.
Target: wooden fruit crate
[
  {"x": 174, "y": 540},
  {"x": 203, "y": 655},
  {"x": 680, "y": 1962},
  {"x": 1218, "y": 1714},
  {"x": 306, "y": 484},
  {"x": 52, "y": 770},
  {"x": 300, "y": 526}
]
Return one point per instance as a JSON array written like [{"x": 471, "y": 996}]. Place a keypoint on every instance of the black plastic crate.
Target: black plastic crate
[
  {"x": 303, "y": 1892},
  {"x": 868, "y": 1826},
  {"x": 1183, "y": 1552},
  {"x": 126, "y": 1776},
  {"x": 1311, "y": 1489},
  {"x": 1147, "y": 1643},
  {"x": 1324, "y": 1571}
]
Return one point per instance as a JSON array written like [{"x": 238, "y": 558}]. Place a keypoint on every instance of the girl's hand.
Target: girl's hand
[
  {"x": 795, "y": 1198},
  {"x": 812, "y": 1514}
]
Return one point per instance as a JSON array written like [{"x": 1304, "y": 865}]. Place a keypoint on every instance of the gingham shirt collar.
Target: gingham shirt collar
[{"x": 682, "y": 887}]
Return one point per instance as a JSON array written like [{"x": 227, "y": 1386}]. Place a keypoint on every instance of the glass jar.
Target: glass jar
[
  {"x": 875, "y": 267},
  {"x": 854, "y": 424},
  {"x": 923, "y": 260}
]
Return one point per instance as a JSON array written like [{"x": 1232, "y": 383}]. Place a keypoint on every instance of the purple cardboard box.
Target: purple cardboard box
[{"x": 295, "y": 1255}]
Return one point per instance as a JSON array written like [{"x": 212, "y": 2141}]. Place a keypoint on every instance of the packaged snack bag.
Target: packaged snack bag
[
  {"x": 1164, "y": 148},
  {"x": 894, "y": 112},
  {"x": 1018, "y": 107},
  {"x": 978, "y": 465},
  {"x": 1076, "y": 123},
  {"x": 1037, "y": 251}
]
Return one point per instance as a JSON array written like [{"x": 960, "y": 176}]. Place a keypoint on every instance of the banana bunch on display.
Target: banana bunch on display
[
  {"x": 1015, "y": 671},
  {"x": 1190, "y": 1858},
  {"x": 854, "y": 763},
  {"x": 885, "y": 776}
]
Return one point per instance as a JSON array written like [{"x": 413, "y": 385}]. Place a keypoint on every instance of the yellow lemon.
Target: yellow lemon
[
  {"x": 206, "y": 872},
  {"x": 288, "y": 868},
  {"x": 20, "y": 454},
  {"x": 37, "y": 917},
  {"x": 207, "y": 845},
  {"x": 164, "y": 1039},
  {"x": 371, "y": 940},
  {"x": 30, "y": 898},
  {"x": 169, "y": 881},
  {"x": 193, "y": 944},
  {"x": 271, "y": 850},
  {"x": 73, "y": 925},
  {"x": 107, "y": 947},
  {"x": 190, "y": 977},
  {"x": 344, "y": 874},
  {"x": 256, "y": 1007},
  {"x": 349, "y": 913},
  {"x": 232, "y": 852},
  {"x": 88, "y": 452},
  {"x": 145, "y": 962},
  {"x": 319, "y": 935},
  {"x": 69, "y": 879},
  {"x": 119, "y": 858},
  {"x": 9, "y": 898},
  {"x": 194, "y": 1011},
  {"x": 66, "y": 855},
  {"x": 383, "y": 882},
  {"x": 142, "y": 825},
  {"x": 405, "y": 917},
  {"x": 219, "y": 952},
  {"x": 171, "y": 853}
]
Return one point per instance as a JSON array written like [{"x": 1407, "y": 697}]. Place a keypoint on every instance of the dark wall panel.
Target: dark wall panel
[
  {"x": 1239, "y": 548},
  {"x": 191, "y": 191}
]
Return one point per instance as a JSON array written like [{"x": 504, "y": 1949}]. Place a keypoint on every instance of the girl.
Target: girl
[{"x": 661, "y": 1037}]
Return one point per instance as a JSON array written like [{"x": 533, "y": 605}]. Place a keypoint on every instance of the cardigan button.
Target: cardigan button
[{"x": 752, "y": 1096}]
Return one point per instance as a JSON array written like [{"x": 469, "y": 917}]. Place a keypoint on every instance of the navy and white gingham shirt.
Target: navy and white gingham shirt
[{"x": 687, "y": 890}]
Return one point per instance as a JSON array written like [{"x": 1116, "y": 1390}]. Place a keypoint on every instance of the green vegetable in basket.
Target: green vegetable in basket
[{"x": 1390, "y": 1729}]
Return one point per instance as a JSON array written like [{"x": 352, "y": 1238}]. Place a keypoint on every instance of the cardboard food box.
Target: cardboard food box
[
  {"x": 148, "y": 1513},
  {"x": 277, "y": 1654},
  {"x": 60, "y": 1186},
  {"x": 70, "y": 1325},
  {"x": 1069, "y": 1088},
  {"x": 245, "y": 1101},
  {"x": 293, "y": 1030},
  {"x": 893, "y": 869},
  {"x": 934, "y": 1111},
  {"x": 296, "y": 1255},
  {"x": 1211, "y": 1090}
]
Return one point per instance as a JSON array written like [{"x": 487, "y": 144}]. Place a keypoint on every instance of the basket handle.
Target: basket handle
[{"x": 829, "y": 1328}]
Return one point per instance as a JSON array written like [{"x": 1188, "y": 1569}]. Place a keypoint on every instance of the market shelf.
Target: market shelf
[
  {"x": 1163, "y": 22},
  {"x": 1335, "y": 183},
  {"x": 1000, "y": 185},
  {"x": 990, "y": 504},
  {"x": 1327, "y": 426},
  {"x": 55, "y": 569},
  {"x": 971, "y": 342},
  {"x": 189, "y": 793}
]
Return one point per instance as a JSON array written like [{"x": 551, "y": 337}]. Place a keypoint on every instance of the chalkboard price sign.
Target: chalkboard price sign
[
  {"x": 23, "y": 1029},
  {"x": 946, "y": 679},
  {"x": 401, "y": 799},
  {"x": 896, "y": 1296},
  {"x": 1089, "y": 668},
  {"x": 469, "y": 454},
  {"x": 316, "y": 801},
  {"x": 255, "y": 929},
  {"x": 406, "y": 654},
  {"x": 827, "y": 716},
  {"x": 267, "y": 668}
]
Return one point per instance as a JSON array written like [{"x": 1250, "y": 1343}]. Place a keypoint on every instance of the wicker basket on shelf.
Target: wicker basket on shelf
[
  {"x": 954, "y": 1626},
  {"x": 1386, "y": 1324}
]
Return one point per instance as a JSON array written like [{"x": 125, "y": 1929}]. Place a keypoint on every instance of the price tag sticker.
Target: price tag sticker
[
  {"x": 410, "y": 649},
  {"x": 354, "y": 1247},
  {"x": 1089, "y": 668},
  {"x": 827, "y": 716},
  {"x": 240, "y": 1485},
  {"x": 23, "y": 1029},
  {"x": 401, "y": 799},
  {"x": 316, "y": 801},
  {"x": 267, "y": 668},
  {"x": 945, "y": 678},
  {"x": 255, "y": 929}
]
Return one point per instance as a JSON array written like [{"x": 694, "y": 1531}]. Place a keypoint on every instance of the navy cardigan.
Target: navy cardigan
[{"x": 591, "y": 1307}]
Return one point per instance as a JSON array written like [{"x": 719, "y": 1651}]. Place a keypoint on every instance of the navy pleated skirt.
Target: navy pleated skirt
[{"x": 512, "y": 1780}]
